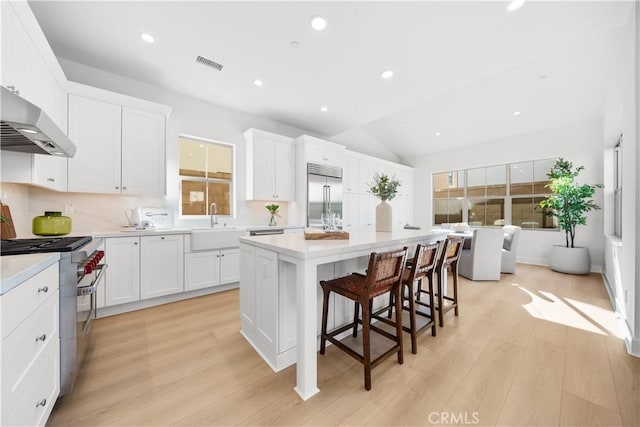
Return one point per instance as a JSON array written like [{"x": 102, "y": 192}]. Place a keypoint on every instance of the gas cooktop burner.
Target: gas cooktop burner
[{"x": 41, "y": 245}]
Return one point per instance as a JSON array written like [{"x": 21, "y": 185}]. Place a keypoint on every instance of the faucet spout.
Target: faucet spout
[{"x": 213, "y": 210}]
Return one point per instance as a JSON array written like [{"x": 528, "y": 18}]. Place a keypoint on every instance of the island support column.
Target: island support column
[{"x": 306, "y": 316}]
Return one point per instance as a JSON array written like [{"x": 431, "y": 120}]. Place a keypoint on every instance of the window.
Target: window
[
  {"x": 206, "y": 177},
  {"x": 448, "y": 196},
  {"x": 494, "y": 195},
  {"x": 617, "y": 193}
]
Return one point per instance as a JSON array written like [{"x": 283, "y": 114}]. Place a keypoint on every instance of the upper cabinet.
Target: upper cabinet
[
  {"x": 270, "y": 166},
  {"x": 121, "y": 150},
  {"x": 315, "y": 150},
  {"x": 30, "y": 68}
]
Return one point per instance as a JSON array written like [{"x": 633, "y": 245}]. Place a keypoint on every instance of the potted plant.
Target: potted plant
[
  {"x": 569, "y": 203},
  {"x": 384, "y": 188}
]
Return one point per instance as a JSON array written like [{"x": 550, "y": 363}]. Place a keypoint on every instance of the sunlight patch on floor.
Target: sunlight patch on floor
[{"x": 549, "y": 307}]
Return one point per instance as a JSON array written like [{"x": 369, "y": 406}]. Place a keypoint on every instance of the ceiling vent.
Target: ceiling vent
[{"x": 209, "y": 63}]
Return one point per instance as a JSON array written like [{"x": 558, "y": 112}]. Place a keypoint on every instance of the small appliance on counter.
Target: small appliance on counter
[{"x": 52, "y": 223}]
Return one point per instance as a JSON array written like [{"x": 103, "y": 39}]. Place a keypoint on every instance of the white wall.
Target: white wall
[
  {"x": 580, "y": 143},
  {"x": 622, "y": 110}
]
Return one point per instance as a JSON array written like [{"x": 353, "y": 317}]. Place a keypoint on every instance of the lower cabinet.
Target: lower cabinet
[
  {"x": 211, "y": 268},
  {"x": 161, "y": 265},
  {"x": 122, "y": 280},
  {"x": 30, "y": 368}
]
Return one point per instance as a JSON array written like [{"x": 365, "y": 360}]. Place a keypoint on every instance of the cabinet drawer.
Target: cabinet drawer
[
  {"x": 23, "y": 348},
  {"x": 22, "y": 300},
  {"x": 36, "y": 402}
]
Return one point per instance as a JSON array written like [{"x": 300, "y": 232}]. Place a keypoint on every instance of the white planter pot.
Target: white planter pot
[
  {"x": 570, "y": 260},
  {"x": 384, "y": 217}
]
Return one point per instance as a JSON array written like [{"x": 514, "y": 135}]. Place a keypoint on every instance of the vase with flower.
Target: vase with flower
[
  {"x": 384, "y": 188},
  {"x": 273, "y": 210}
]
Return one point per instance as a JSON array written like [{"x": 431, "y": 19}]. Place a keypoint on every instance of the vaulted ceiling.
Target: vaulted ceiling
[{"x": 461, "y": 69}]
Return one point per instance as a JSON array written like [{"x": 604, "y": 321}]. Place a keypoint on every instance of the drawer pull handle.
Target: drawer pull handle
[
  {"x": 41, "y": 337},
  {"x": 43, "y": 402},
  {"x": 43, "y": 289}
]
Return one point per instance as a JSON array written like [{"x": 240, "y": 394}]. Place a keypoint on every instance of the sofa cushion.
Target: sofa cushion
[{"x": 506, "y": 244}]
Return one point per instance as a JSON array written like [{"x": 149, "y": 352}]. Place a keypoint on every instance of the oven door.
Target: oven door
[{"x": 87, "y": 294}]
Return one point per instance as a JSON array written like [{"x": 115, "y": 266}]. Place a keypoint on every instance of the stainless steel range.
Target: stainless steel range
[{"x": 81, "y": 272}]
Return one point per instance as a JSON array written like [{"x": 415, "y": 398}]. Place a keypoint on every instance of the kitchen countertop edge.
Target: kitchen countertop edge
[
  {"x": 117, "y": 233},
  {"x": 18, "y": 268}
]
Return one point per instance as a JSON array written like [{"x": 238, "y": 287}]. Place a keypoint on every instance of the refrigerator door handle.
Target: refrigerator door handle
[{"x": 325, "y": 198}]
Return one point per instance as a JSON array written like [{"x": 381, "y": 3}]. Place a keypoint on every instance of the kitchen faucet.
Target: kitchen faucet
[{"x": 213, "y": 210}]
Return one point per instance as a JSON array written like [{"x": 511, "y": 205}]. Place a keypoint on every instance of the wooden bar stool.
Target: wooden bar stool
[
  {"x": 384, "y": 275},
  {"x": 449, "y": 258},
  {"x": 422, "y": 265}
]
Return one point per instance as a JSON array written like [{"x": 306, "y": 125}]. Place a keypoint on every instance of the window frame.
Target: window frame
[{"x": 232, "y": 182}]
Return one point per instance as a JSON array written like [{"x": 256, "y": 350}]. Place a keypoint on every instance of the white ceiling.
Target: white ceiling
[{"x": 461, "y": 68}]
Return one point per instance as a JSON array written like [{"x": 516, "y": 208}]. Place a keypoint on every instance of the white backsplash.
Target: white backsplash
[{"x": 105, "y": 212}]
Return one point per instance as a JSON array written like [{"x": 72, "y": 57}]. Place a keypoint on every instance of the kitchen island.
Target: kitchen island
[{"x": 280, "y": 292}]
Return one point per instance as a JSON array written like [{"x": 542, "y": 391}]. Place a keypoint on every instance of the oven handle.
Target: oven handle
[{"x": 93, "y": 287}]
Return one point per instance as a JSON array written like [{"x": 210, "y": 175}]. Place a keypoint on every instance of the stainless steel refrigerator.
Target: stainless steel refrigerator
[{"x": 324, "y": 192}]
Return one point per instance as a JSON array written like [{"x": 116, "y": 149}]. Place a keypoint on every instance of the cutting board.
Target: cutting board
[
  {"x": 325, "y": 235},
  {"x": 7, "y": 230}
]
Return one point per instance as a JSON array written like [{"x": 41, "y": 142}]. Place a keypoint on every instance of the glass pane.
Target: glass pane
[
  {"x": 496, "y": 180},
  {"x": 220, "y": 161},
  {"x": 522, "y": 212},
  {"x": 476, "y": 213},
  {"x": 192, "y": 158},
  {"x": 521, "y": 178},
  {"x": 455, "y": 210},
  {"x": 539, "y": 215},
  {"x": 194, "y": 200},
  {"x": 540, "y": 170},
  {"x": 441, "y": 185},
  {"x": 476, "y": 182},
  {"x": 494, "y": 212},
  {"x": 220, "y": 194},
  {"x": 456, "y": 188},
  {"x": 440, "y": 211}
]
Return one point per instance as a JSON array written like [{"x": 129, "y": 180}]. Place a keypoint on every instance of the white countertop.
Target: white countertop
[
  {"x": 15, "y": 269},
  {"x": 133, "y": 233},
  {"x": 296, "y": 246}
]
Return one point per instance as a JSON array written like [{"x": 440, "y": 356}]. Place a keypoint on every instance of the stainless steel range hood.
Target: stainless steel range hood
[{"x": 28, "y": 129}]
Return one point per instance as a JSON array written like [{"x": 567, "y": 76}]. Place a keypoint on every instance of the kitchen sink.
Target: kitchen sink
[{"x": 203, "y": 239}]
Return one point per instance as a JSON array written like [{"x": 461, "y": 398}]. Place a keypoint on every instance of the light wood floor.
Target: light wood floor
[{"x": 537, "y": 348}]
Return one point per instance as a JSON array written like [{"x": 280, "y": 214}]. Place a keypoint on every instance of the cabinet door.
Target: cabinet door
[
  {"x": 367, "y": 212},
  {"x": 284, "y": 171},
  {"x": 229, "y": 266},
  {"x": 351, "y": 174},
  {"x": 263, "y": 169},
  {"x": 95, "y": 127},
  {"x": 50, "y": 171},
  {"x": 201, "y": 270},
  {"x": 351, "y": 211},
  {"x": 248, "y": 286},
  {"x": 122, "y": 280},
  {"x": 161, "y": 265},
  {"x": 143, "y": 152},
  {"x": 267, "y": 295}
]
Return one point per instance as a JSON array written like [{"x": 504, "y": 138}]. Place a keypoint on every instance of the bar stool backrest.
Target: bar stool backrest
[
  {"x": 385, "y": 271},
  {"x": 425, "y": 260},
  {"x": 451, "y": 251}
]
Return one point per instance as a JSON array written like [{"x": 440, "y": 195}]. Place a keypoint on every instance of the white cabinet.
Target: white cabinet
[
  {"x": 315, "y": 150},
  {"x": 143, "y": 151},
  {"x": 120, "y": 150},
  {"x": 211, "y": 268},
  {"x": 351, "y": 173},
  {"x": 266, "y": 286},
  {"x": 270, "y": 166},
  {"x": 30, "y": 361},
  {"x": 161, "y": 265},
  {"x": 26, "y": 69},
  {"x": 122, "y": 280}
]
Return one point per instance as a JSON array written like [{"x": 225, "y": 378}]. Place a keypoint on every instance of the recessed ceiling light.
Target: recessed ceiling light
[
  {"x": 437, "y": 133},
  {"x": 295, "y": 44},
  {"x": 516, "y": 113},
  {"x": 515, "y": 4},
  {"x": 257, "y": 82},
  {"x": 542, "y": 77},
  {"x": 324, "y": 109},
  {"x": 24, "y": 130},
  {"x": 318, "y": 23},
  {"x": 386, "y": 74},
  {"x": 147, "y": 37}
]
